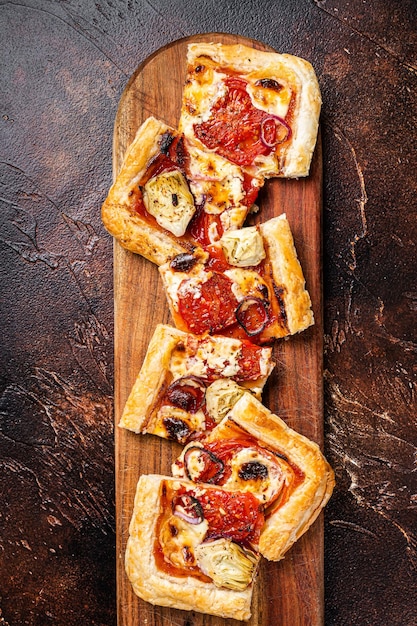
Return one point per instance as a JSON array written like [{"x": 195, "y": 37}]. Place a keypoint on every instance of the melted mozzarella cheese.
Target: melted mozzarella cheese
[
  {"x": 179, "y": 539},
  {"x": 264, "y": 487},
  {"x": 212, "y": 355},
  {"x": 169, "y": 200},
  {"x": 214, "y": 181},
  {"x": 246, "y": 283},
  {"x": 273, "y": 101},
  {"x": 176, "y": 282},
  {"x": 219, "y": 356},
  {"x": 187, "y": 423}
]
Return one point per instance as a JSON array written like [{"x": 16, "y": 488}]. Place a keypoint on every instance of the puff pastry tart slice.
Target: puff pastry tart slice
[
  {"x": 253, "y": 450},
  {"x": 171, "y": 196},
  {"x": 258, "y": 109},
  {"x": 248, "y": 285},
  {"x": 193, "y": 547},
  {"x": 175, "y": 393}
]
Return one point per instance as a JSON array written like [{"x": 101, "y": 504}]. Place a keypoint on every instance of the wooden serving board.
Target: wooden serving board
[{"x": 290, "y": 592}]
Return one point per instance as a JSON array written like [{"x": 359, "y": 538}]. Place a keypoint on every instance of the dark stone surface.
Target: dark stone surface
[{"x": 64, "y": 66}]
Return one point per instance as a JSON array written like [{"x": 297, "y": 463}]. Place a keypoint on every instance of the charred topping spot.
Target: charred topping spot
[
  {"x": 188, "y": 555},
  {"x": 269, "y": 83},
  {"x": 174, "y": 199},
  {"x": 180, "y": 346},
  {"x": 263, "y": 289},
  {"x": 166, "y": 140},
  {"x": 200, "y": 68},
  {"x": 180, "y": 152},
  {"x": 279, "y": 294},
  {"x": 253, "y": 470},
  {"x": 176, "y": 429},
  {"x": 280, "y": 456},
  {"x": 183, "y": 262},
  {"x": 173, "y": 530}
]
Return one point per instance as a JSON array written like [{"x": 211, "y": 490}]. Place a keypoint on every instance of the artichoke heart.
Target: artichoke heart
[
  {"x": 226, "y": 563},
  {"x": 168, "y": 198},
  {"x": 221, "y": 396},
  {"x": 244, "y": 247}
]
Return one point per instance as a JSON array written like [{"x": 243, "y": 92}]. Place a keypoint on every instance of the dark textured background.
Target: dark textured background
[{"x": 64, "y": 65}]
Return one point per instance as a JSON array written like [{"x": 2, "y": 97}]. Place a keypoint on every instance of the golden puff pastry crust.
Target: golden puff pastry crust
[
  {"x": 261, "y": 286},
  {"x": 281, "y": 85},
  {"x": 161, "y": 585},
  {"x": 133, "y": 230},
  {"x": 288, "y": 273},
  {"x": 285, "y": 525},
  {"x": 169, "y": 395}
]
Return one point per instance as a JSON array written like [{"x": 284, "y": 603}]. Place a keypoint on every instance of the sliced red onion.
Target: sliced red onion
[
  {"x": 278, "y": 139},
  {"x": 188, "y": 508},
  {"x": 187, "y": 393},
  {"x": 212, "y": 469},
  {"x": 252, "y": 314}
]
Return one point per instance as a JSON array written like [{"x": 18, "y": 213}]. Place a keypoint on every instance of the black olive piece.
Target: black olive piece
[
  {"x": 253, "y": 470},
  {"x": 165, "y": 142},
  {"x": 269, "y": 83},
  {"x": 183, "y": 262}
]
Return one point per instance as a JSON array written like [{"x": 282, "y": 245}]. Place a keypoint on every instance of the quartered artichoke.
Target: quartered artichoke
[
  {"x": 169, "y": 200},
  {"x": 221, "y": 396},
  {"x": 226, "y": 563},
  {"x": 244, "y": 247}
]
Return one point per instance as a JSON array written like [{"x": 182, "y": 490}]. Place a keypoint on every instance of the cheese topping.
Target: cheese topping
[
  {"x": 169, "y": 200},
  {"x": 176, "y": 283},
  {"x": 214, "y": 181},
  {"x": 246, "y": 283},
  {"x": 177, "y": 423},
  {"x": 179, "y": 539},
  {"x": 200, "y": 100},
  {"x": 221, "y": 357},
  {"x": 273, "y": 100},
  {"x": 243, "y": 248},
  {"x": 218, "y": 356},
  {"x": 255, "y": 472}
]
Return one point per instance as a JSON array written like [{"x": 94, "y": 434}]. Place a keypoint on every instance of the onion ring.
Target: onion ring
[
  {"x": 280, "y": 120},
  {"x": 188, "y": 508},
  {"x": 245, "y": 318},
  {"x": 213, "y": 467},
  {"x": 187, "y": 393}
]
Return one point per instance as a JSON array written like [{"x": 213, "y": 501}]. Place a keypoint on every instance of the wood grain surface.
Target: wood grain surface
[{"x": 290, "y": 592}]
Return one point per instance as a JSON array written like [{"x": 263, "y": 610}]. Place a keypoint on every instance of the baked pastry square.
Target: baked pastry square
[
  {"x": 155, "y": 227},
  {"x": 171, "y": 196},
  {"x": 253, "y": 450},
  {"x": 193, "y": 547},
  {"x": 250, "y": 285},
  {"x": 173, "y": 392},
  {"x": 258, "y": 109}
]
